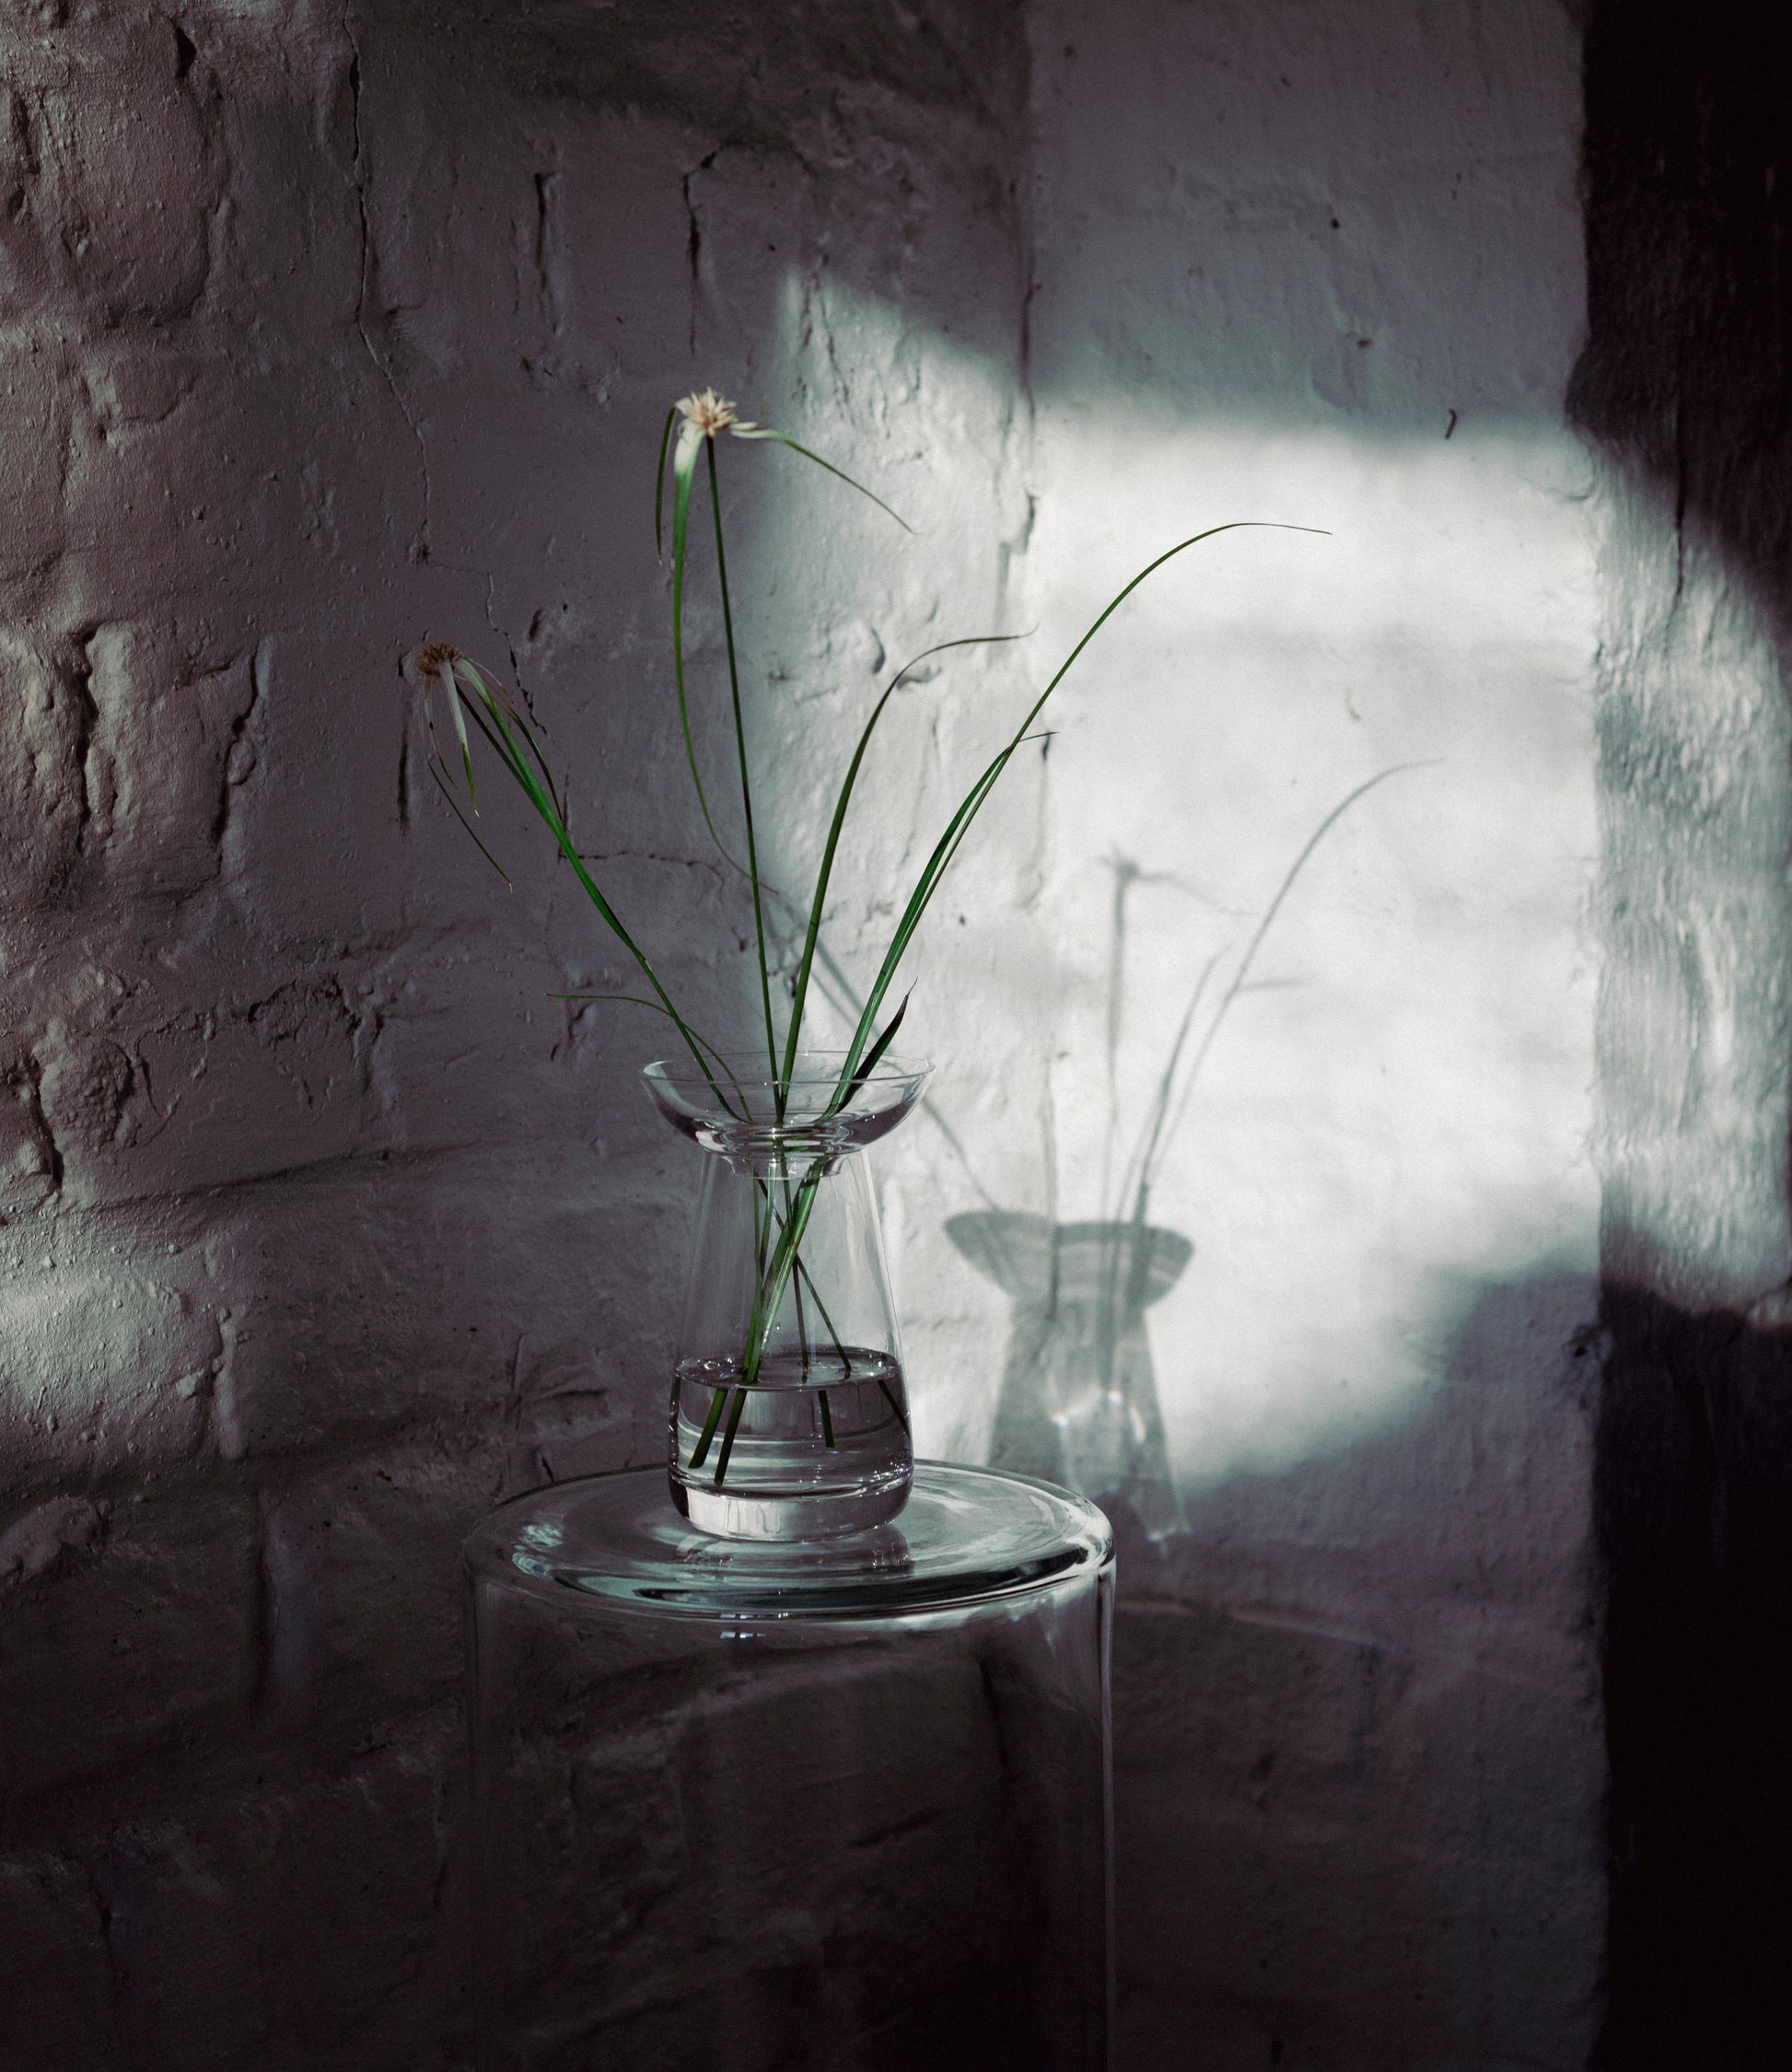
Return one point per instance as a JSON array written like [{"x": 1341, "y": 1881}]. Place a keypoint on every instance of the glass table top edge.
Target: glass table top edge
[{"x": 1017, "y": 1538}]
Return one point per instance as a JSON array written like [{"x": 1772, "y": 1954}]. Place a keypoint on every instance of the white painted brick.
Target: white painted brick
[{"x": 318, "y": 332}]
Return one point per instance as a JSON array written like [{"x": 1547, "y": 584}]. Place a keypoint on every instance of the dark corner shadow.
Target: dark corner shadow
[
  {"x": 1683, "y": 383},
  {"x": 1693, "y": 1513}
]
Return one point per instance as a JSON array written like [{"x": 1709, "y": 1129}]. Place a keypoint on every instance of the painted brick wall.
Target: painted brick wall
[{"x": 325, "y": 1225}]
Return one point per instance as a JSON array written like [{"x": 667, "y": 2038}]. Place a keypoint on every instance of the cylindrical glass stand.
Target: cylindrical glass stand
[{"x": 833, "y": 1806}]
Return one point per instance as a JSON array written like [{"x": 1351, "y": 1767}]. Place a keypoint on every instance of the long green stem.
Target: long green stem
[
  {"x": 801, "y": 1275},
  {"x": 728, "y": 1437},
  {"x": 708, "y": 1432},
  {"x": 746, "y": 784},
  {"x": 683, "y": 470}
]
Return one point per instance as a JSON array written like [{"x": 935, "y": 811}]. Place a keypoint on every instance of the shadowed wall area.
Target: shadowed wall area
[{"x": 1683, "y": 383}]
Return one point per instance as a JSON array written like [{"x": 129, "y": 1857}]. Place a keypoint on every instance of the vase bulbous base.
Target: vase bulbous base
[
  {"x": 805, "y": 1514},
  {"x": 815, "y": 1447}
]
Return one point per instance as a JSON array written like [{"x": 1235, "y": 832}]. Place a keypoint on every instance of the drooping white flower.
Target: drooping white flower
[
  {"x": 708, "y": 413},
  {"x": 435, "y": 662},
  {"x": 706, "y": 416}
]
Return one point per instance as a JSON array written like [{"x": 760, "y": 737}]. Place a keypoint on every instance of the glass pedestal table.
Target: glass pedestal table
[{"x": 834, "y": 1807}]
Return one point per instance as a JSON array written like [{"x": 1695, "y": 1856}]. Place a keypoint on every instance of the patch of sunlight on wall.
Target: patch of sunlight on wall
[
  {"x": 1399, "y": 1105},
  {"x": 1401, "y": 1098}
]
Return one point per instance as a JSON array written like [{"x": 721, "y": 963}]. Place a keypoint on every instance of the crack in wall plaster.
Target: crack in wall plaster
[
  {"x": 693, "y": 244},
  {"x": 547, "y": 251},
  {"x": 80, "y": 680},
  {"x": 238, "y": 761},
  {"x": 32, "y": 1177},
  {"x": 359, "y": 179}
]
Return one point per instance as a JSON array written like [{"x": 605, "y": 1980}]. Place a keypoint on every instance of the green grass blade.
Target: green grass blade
[
  {"x": 497, "y": 701},
  {"x": 497, "y": 736},
  {"x": 446, "y": 678},
  {"x": 746, "y": 786},
  {"x": 943, "y": 852},
  {"x": 800, "y": 993},
  {"x": 877, "y": 1049},
  {"x": 447, "y": 791},
  {"x": 764, "y": 432},
  {"x": 708, "y": 1432},
  {"x": 634, "y": 1000},
  {"x": 685, "y": 470},
  {"x": 660, "y": 485},
  {"x": 728, "y": 1436}
]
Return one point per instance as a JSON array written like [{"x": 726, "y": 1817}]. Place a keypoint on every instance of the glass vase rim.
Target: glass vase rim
[{"x": 892, "y": 1070}]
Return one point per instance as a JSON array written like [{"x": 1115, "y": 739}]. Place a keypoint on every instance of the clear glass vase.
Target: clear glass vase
[{"x": 789, "y": 1418}]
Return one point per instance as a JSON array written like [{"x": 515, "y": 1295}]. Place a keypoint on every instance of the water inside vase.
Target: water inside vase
[{"x": 817, "y": 1443}]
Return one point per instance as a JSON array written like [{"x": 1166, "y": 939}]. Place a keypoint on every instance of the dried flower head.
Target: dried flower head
[
  {"x": 708, "y": 413},
  {"x": 435, "y": 657}
]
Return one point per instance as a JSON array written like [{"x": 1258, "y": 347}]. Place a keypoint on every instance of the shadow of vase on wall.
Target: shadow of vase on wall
[{"x": 1079, "y": 1403}]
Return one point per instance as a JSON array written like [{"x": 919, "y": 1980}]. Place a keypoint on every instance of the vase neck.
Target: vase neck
[{"x": 772, "y": 1153}]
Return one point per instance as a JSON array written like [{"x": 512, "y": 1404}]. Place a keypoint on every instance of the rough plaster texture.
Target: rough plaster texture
[{"x": 325, "y": 1226}]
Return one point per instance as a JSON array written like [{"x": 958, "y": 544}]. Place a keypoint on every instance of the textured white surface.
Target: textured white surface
[
  {"x": 1326, "y": 270},
  {"x": 324, "y": 1225}
]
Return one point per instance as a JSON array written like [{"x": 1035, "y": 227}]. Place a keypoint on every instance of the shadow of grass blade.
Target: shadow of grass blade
[
  {"x": 973, "y": 800},
  {"x": 1264, "y": 926}
]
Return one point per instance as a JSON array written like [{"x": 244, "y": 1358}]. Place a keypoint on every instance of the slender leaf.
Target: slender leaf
[
  {"x": 494, "y": 693},
  {"x": 728, "y": 1436},
  {"x": 708, "y": 1432},
  {"x": 746, "y": 786},
  {"x": 659, "y": 484},
  {"x": 943, "y": 853},
  {"x": 684, "y": 468},
  {"x": 446, "y": 678},
  {"x": 800, "y": 994},
  {"x": 877, "y": 1049},
  {"x": 447, "y": 791},
  {"x": 489, "y": 713},
  {"x": 634, "y": 1000},
  {"x": 764, "y": 432}
]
